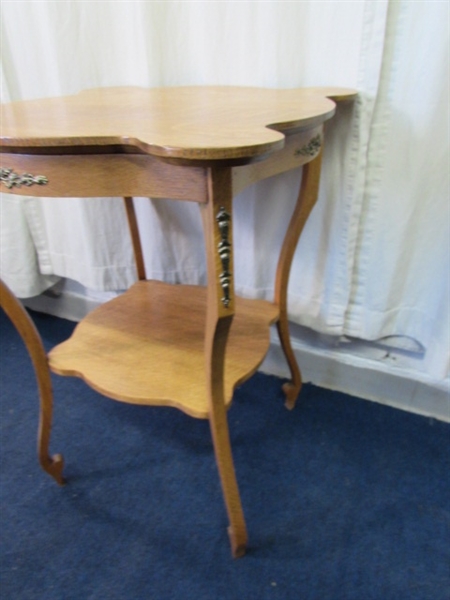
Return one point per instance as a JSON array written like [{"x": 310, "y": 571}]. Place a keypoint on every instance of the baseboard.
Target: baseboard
[
  {"x": 68, "y": 300},
  {"x": 367, "y": 372},
  {"x": 365, "y": 378}
]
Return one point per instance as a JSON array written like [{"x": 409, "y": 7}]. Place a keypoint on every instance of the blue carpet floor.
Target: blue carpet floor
[{"x": 344, "y": 499}]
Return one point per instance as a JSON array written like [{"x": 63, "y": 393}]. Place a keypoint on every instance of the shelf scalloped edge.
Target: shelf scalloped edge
[{"x": 147, "y": 346}]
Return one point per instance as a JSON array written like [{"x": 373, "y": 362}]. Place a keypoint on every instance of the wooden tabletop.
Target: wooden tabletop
[{"x": 190, "y": 123}]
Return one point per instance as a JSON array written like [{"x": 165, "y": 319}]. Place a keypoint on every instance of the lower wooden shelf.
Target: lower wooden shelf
[{"x": 147, "y": 346}]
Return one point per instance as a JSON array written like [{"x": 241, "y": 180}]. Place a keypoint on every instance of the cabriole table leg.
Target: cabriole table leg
[
  {"x": 216, "y": 216},
  {"x": 307, "y": 197},
  {"x": 53, "y": 465}
]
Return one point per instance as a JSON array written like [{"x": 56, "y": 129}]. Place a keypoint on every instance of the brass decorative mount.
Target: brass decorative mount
[
  {"x": 11, "y": 179},
  {"x": 311, "y": 148},
  {"x": 224, "y": 248}
]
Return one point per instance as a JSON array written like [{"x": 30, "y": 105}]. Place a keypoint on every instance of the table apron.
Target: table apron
[{"x": 103, "y": 175}]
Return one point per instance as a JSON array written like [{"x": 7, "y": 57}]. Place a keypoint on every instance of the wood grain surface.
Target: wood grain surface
[
  {"x": 147, "y": 346},
  {"x": 190, "y": 123}
]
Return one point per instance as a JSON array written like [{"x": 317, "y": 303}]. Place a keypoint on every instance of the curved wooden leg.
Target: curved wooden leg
[
  {"x": 237, "y": 530},
  {"x": 216, "y": 217},
  {"x": 307, "y": 197},
  {"x": 53, "y": 465}
]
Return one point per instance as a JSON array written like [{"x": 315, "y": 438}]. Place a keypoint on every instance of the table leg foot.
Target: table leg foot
[
  {"x": 54, "y": 465},
  {"x": 291, "y": 388},
  {"x": 291, "y": 392},
  {"x": 238, "y": 543}
]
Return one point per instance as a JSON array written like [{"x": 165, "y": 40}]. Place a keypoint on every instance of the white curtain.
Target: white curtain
[{"x": 373, "y": 260}]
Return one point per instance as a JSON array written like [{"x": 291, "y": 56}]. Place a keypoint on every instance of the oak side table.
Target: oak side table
[{"x": 159, "y": 344}]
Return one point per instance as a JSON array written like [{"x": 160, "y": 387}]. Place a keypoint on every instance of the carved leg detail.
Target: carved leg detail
[
  {"x": 307, "y": 197},
  {"x": 53, "y": 465}
]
